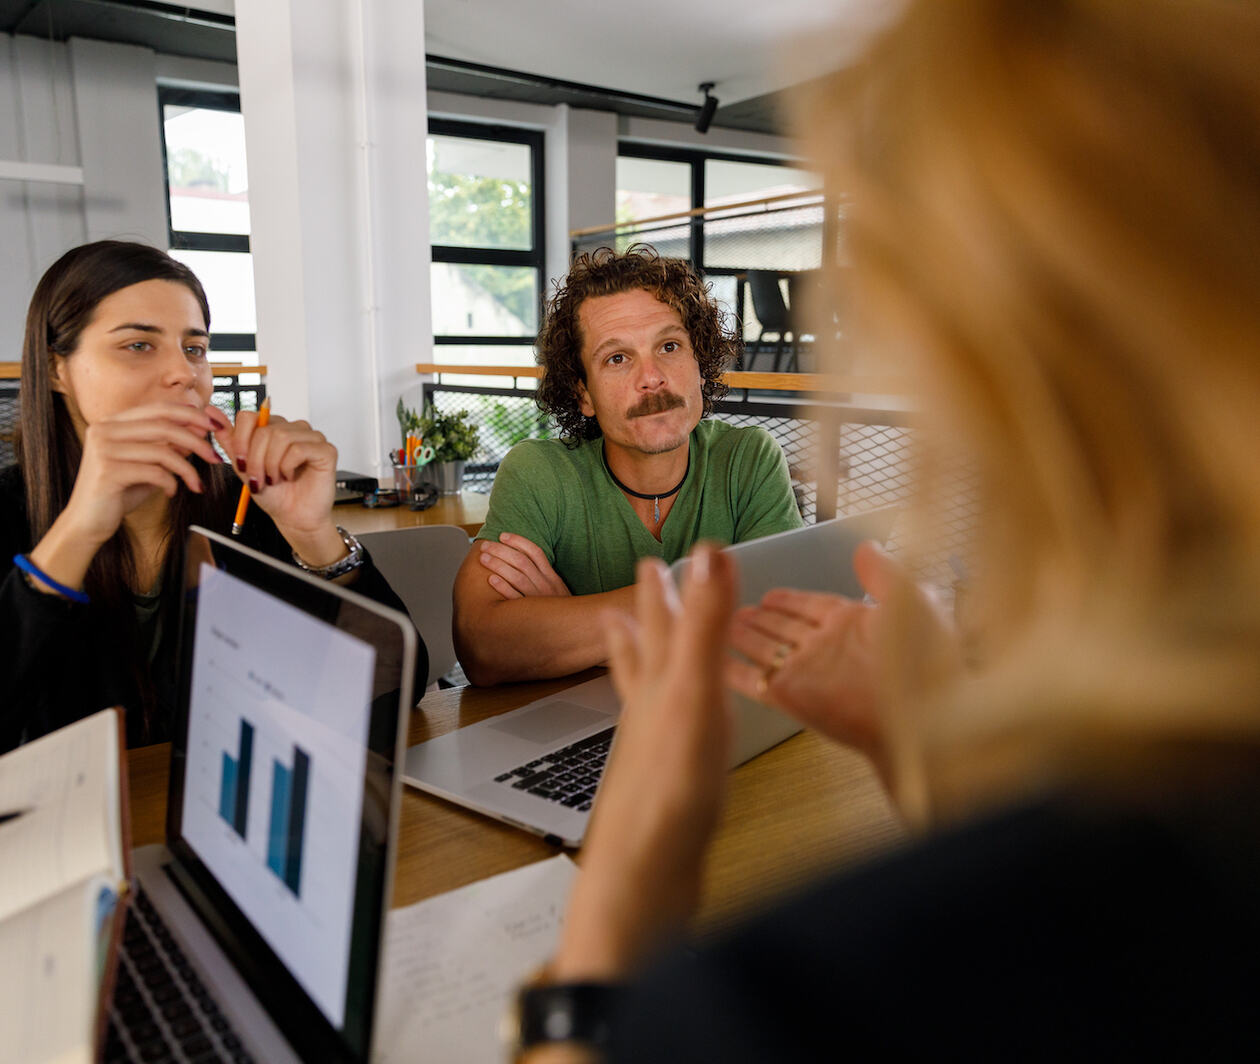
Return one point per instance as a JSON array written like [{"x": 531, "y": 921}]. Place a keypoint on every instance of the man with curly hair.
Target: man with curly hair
[{"x": 632, "y": 350}]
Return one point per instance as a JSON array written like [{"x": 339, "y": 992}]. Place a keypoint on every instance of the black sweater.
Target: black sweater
[
  {"x": 60, "y": 661},
  {"x": 1065, "y": 929}
]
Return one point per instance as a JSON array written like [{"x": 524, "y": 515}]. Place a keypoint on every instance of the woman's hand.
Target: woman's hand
[
  {"x": 661, "y": 795},
  {"x": 130, "y": 457},
  {"x": 822, "y": 657},
  {"x": 127, "y": 460},
  {"x": 291, "y": 470}
]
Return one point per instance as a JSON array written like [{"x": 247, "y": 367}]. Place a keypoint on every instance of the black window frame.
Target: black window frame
[
  {"x": 697, "y": 158},
  {"x": 189, "y": 240},
  {"x": 535, "y": 257}
]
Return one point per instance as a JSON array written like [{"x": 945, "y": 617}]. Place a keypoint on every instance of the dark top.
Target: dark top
[
  {"x": 1060, "y": 930},
  {"x": 60, "y": 661}
]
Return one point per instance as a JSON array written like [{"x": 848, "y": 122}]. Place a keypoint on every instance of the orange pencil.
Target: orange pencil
[{"x": 264, "y": 414}]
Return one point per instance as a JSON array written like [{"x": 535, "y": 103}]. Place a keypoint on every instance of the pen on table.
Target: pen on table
[
  {"x": 238, "y": 522},
  {"x": 13, "y": 814}
]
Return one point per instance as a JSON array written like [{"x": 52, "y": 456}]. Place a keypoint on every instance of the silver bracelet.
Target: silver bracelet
[{"x": 348, "y": 564}]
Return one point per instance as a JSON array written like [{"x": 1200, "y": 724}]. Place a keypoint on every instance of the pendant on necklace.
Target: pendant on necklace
[{"x": 656, "y": 509}]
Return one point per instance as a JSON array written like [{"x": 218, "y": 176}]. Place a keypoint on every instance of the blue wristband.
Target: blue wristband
[{"x": 31, "y": 569}]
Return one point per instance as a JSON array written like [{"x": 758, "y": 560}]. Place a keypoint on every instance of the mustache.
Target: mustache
[{"x": 656, "y": 403}]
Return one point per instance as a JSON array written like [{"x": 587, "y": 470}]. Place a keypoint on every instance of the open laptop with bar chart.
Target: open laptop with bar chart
[{"x": 258, "y": 928}]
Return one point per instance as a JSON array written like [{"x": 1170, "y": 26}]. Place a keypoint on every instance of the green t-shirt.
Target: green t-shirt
[{"x": 563, "y": 500}]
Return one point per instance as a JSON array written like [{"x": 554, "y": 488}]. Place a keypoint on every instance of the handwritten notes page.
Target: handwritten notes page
[
  {"x": 66, "y": 786},
  {"x": 452, "y": 963}
]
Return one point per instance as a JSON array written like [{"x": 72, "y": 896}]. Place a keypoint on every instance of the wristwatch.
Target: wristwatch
[
  {"x": 349, "y": 563},
  {"x": 561, "y": 1012}
]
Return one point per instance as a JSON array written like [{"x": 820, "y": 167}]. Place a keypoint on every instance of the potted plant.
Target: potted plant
[{"x": 454, "y": 440}]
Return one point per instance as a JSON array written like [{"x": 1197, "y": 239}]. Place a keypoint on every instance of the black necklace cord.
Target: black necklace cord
[{"x": 656, "y": 497}]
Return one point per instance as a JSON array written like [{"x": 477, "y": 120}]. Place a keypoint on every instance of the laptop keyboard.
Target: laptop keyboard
[
  {"x": 567, "y": 776},
  {"x": 161, "y": 1010}
]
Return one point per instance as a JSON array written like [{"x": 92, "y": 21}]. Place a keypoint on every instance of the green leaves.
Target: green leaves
[
  {"x": 450, "y": 435},
  {"x": 408, "y": 422}
]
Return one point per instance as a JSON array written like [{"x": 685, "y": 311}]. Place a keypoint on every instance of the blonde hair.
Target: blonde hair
[{"x": 1055, "y": 206}]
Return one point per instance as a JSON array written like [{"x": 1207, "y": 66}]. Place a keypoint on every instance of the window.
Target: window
[
  {"x": 203, "y": 148},
  {"x": 655, "y": 181},
  {"x": 486, "y": 228},
  {"x": 651, "y": 188}
]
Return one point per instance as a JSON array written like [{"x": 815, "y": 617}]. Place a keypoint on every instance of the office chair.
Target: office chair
[
  {"x": 420, "y": 564},
  {"x": 805, "y": 300},
  {"x": 771, "y": 311}
]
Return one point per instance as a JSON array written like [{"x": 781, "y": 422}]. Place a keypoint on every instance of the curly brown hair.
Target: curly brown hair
[{"x": 604, "y": 272}]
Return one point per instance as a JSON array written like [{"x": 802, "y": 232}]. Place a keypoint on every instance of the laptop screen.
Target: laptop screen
[{"x": 283, "y": 783}]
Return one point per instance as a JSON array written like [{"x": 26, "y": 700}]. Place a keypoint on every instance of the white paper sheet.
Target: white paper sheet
[{"x": 452, "y": 963}]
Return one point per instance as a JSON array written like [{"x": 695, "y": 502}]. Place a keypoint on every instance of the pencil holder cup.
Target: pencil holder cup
[{"x": 408, "y": 478}]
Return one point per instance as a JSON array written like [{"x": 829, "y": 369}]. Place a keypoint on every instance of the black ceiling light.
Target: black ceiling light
[{"x": 705, "y": 114}]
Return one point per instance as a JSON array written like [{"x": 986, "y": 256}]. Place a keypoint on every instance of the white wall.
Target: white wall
[
  {"x": 88, "y": 104},
  {"x": 38, "y": 220},
  {"x": 120, "y": 141}
]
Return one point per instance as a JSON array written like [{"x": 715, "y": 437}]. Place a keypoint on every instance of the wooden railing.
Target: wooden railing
[
  {"x": 765, "y": 203},
  {"x": 12, "y": 371},
  {"x": 821, "y": 383}
]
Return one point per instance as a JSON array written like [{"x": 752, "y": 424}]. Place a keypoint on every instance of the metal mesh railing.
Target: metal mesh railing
[
  {"x": 777, "y": 238},
  {"x": 231, "y": 396},
  {"x": 503, "y": 416},
  {"x": 876, "y": 461},
  {"x": 9, "y": 415}
]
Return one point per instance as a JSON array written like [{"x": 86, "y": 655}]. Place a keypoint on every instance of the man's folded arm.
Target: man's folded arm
[{"x": 537, "y": 637}]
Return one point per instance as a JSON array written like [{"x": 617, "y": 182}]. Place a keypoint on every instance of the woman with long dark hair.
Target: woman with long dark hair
[{"x": 114, "y": 463}]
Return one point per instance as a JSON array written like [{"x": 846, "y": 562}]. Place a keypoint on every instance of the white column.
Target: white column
[
  {"x": 581, "y": 172},
  {"x": 333, "y": 98}
]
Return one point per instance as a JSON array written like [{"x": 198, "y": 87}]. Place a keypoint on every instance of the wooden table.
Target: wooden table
[
  {"x": 805, "y": 806},
  {"x": 467, "y": 509}
]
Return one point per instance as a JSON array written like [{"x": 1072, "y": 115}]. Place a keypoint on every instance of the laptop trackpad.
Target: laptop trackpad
[{"x": 549, "y": 722}]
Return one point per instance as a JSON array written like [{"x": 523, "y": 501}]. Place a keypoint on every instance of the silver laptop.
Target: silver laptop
[
  {"x": 538, "y": 767},
  {"x": 257, "y": 930}
]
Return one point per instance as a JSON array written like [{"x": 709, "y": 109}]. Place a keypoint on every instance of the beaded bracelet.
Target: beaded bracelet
[{"x": 31, "y": 569}]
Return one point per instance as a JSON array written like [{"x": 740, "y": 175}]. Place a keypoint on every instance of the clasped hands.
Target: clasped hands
[
  {"x": 289, "y": 466},
  {"x": 821, "y": 658}
]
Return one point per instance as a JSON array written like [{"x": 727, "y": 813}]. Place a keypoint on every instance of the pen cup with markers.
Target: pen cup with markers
[{"x": 409, "y": 477}]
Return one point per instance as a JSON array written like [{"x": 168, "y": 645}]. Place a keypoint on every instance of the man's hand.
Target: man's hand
[
  {"x": 519, "y": 568},
  {"x": 531, "y": 628}
]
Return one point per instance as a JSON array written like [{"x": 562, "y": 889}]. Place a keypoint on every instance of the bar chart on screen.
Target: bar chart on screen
[
  {"x": 288, "y": 819},
  {"x": 234, "y": 784}
]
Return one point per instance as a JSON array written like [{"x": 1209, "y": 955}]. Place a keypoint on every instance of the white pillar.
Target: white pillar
[
  {"x": 333, "y": 98},
  {"x": 581, "y": 179}
]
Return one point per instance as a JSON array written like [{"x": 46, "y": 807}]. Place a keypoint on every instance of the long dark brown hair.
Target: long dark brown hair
[{"x": 48, "y": 448}]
